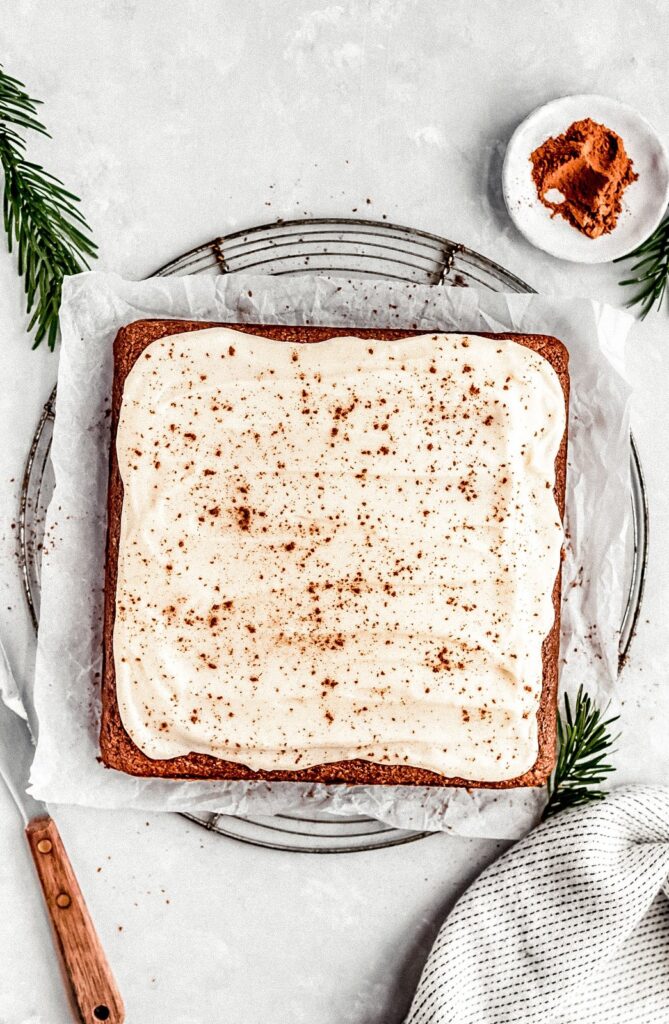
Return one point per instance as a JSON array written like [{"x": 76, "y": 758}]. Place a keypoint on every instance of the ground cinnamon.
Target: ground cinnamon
[{"x": 582, "y": 175}]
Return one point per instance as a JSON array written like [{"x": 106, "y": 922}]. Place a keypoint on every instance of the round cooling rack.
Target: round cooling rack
[{"x": 339, "y": 247}]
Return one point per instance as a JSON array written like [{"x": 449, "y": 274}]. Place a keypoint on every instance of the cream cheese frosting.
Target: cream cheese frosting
[{"x": 337, "y": 550}]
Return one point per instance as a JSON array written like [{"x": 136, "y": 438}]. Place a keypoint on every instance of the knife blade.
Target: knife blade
[
  {"x": 91, "y": 985},
  {"x": 16, "y": 753}
]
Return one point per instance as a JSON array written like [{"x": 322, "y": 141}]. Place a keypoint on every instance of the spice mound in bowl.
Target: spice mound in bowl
[{"x": 582, "y": 175}]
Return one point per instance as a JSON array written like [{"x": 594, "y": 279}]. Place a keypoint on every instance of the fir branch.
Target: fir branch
[
  {"x": 651, "y": 270},
  {"x": 584, "y": 741},
  {"x": 40, "y": 216}
]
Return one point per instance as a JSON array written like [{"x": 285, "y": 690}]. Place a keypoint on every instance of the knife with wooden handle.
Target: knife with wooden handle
[
  {"x": 90, "y": 982},
  {"x": 92, "y": 985}
]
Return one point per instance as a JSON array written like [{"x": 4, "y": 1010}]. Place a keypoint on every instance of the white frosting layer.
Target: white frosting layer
[{"x": 338, "y": 550}]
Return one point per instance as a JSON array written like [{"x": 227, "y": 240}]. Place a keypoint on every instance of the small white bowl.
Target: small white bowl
[{"x": 644, "y": 201}]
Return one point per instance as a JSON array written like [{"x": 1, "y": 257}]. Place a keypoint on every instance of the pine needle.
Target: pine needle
[
  {"x": 584, "y": 742},
  {"x": 651, "y": 270},
  {"x": 41, "y": 219}
]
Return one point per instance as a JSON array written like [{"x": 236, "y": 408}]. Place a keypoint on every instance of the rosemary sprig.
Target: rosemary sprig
[
  {"x": 651, "y": 270},
  {"x": 40, "y": 216},
  {"x": 584, "y": 740}
]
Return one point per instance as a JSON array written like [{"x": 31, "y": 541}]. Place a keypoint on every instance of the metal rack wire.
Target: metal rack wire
[{"x": 339, "y": 247}]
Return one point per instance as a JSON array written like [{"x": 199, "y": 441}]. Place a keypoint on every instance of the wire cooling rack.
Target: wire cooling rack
[{"x": 340, "y": 247}]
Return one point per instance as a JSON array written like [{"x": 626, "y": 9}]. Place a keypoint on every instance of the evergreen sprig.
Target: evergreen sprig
[
  {"x": 584, "y": 742},
  {"x": 40, "y": 216},
  {"x": 651, "y": 270}
]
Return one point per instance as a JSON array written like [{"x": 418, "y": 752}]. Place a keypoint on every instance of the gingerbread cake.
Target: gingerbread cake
[{"x": 334, "y": 555}]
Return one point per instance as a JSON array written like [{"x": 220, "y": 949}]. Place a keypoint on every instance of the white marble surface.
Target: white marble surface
[{"x": 179, "y": 120}]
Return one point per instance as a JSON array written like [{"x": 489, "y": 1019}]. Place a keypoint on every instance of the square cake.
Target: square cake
[{"x": 334, "y": 555}]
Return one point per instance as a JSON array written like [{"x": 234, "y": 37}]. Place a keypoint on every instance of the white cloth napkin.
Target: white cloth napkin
[{"x": 571, "y": 924}]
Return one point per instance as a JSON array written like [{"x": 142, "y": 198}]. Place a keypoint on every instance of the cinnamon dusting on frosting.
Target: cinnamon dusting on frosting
[{"x": 381, "y": 592}]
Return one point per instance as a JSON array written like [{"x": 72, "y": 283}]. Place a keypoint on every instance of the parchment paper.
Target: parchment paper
[{"x": 95, "y": 305}]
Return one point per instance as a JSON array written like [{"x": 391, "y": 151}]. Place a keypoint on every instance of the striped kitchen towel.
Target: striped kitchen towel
[{"x": 570, "y": 925}]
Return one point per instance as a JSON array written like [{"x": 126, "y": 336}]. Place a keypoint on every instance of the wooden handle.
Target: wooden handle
[{"x": 92, "y": 987}]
